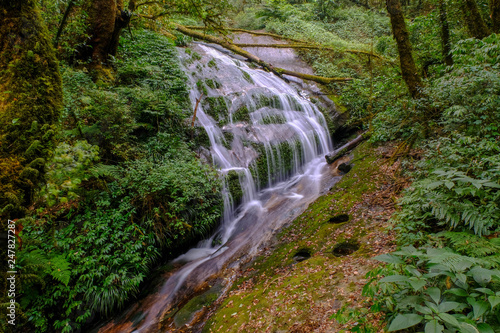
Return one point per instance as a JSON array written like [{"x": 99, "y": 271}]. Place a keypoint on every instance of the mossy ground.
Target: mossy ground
[{"x": 276, "y": 293}]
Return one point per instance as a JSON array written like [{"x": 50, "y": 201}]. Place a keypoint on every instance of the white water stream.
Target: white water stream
[{"x": 275, "y": 151}]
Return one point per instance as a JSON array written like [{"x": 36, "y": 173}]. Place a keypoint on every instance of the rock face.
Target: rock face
[{"x": 258, "y": 126}]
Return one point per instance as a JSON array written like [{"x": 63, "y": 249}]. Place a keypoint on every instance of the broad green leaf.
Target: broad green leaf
[
  {"x": 435, "y": 184},
  {"x": 410, "y": 301},
  {"x": 481, "y": 275},
  {"x": 432, "y": 306},
  {"x": 468, "y": 328},
  {"x": 423, "y": 309},
  {"x": 448, "y": 306},
  {"x": 479, "y": 307},
  {"x": 457, "y": 291},
  {"x": 485, "y": 328},
  {"x": 485, "y": 291},
  {"x": 434, "y": 293},
  {"x": 449, "y": 184},
  {"x": 403, "y": 321},
  {"x": 494, "y": 301},
  {"x": 395, "y": 278},
  {"x": 449, "y": 319},
  {"x": 417, "y": 284},
  {"x": 433, "y": 326},
  {"x": 388, "y": 258}
]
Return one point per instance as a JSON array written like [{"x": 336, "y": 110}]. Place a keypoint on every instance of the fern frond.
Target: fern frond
[
  {"x": 471, "y": 244},
  {"x": 102, "y": 170}
]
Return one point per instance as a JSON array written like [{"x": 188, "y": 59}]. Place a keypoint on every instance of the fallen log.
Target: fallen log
[
  {"x": 338, "y": 153},
  {"x": 238, "y": 50}
]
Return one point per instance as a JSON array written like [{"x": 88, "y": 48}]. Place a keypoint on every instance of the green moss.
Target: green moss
[
  {"x": 217, "y": 108},
  {"x": 234, "y": 187},
  {"x": 310, "y": 230},
  {"x": 201, "y": 87},
  {"x": 188, "y": 311},
  {"x": 247, "y": 76},
  {"x": 30, "y": 92},
  {"x": 269, "y": 101},
  {"x": 229, "y": 138},
  {"x": 214, "y": 84},
  {"x": 273, "y": 119},
  {"x": 341, "y": 108},
  {"x": 195, "y": 56},
  {"x": 212, "y": 64},
  {"x": 241, "y": 114},
  {"x": 283, "y": 157}
]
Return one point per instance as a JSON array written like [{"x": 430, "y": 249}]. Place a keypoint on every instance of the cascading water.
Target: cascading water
[{"x": 267, "y": 139}]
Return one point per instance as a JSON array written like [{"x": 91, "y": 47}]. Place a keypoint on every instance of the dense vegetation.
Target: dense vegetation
[
  {"x": 92, "y": 146},
  {"x": 109, "y": 202}
]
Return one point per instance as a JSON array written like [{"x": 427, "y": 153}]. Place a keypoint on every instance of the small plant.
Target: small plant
[{"x": 433, "y": 289}]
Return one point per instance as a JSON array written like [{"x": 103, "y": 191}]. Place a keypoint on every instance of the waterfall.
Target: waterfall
[
  {"x": 267, "y": 139},
  {"x": 274, "y": 129}
]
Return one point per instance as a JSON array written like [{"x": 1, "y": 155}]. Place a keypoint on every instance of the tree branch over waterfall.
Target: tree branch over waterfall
[
  {"x": 238, "y": 50},
  {"x": 298, "y": 43}
]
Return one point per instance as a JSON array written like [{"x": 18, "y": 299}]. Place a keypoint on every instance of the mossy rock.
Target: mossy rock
[
  {"x": 214, "y": 84},
  {"x": 247, "y": 77},
  {"x": 234, "y": 187},
  {"x": 242, "y": 114},
  {"x": 229, "y": 137},
  {"x": 283, "y": 154},
  {"x": 217, "y": 108}
]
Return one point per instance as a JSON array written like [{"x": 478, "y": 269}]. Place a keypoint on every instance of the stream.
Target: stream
[{"x": 268, "y": 141}]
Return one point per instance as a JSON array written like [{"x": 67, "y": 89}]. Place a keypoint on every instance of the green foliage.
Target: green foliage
[
  {"x": 110, "y": 255},
  {"x": 179, "y": 206},
  {"x": 114, "y": 198},
  {"x": 434, "y": 289},
  {"x": 67, "y": 169}
]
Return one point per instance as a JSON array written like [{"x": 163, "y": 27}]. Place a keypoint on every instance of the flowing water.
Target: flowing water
[{"x": 267, "y": 139}]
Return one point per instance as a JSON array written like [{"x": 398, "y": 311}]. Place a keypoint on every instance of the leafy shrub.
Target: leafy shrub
[
  {"x": 109, "y": 254},
  {"x": 66, "y": 170},
  {"x": 433, "y": 289}
]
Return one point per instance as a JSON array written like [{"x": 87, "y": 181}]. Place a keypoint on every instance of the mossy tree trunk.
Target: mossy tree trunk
[
  {"x": 475, "y": 23},
  {"x": 107, "y": 18},
  {"x": 30, "y": 103},
  {"x": 495, "y": 15},
  {"x": 445, "y": 34},
  {"x": 408, "y": 67}
]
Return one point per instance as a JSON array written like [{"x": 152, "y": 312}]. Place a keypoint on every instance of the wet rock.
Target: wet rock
[{"x": 344, "y": 168}]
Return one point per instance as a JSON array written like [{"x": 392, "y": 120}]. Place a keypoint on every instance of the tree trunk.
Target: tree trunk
[
  {"x": 445, "y": 34},
  {"x": 408, "y": 67},
  {"x": 475, "y": 23},
  {"x": 30, "y": 102},
  {"x": 107, "y": 20},
  {"x": 495, "y": 15}
]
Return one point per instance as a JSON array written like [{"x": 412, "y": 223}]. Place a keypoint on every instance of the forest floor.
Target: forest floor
[{"x": 285, "y": 290}]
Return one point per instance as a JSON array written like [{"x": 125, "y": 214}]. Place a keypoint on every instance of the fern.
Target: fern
[
  {"x": 60, "y": 269},
  {"x": 471, "y": 245}
]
